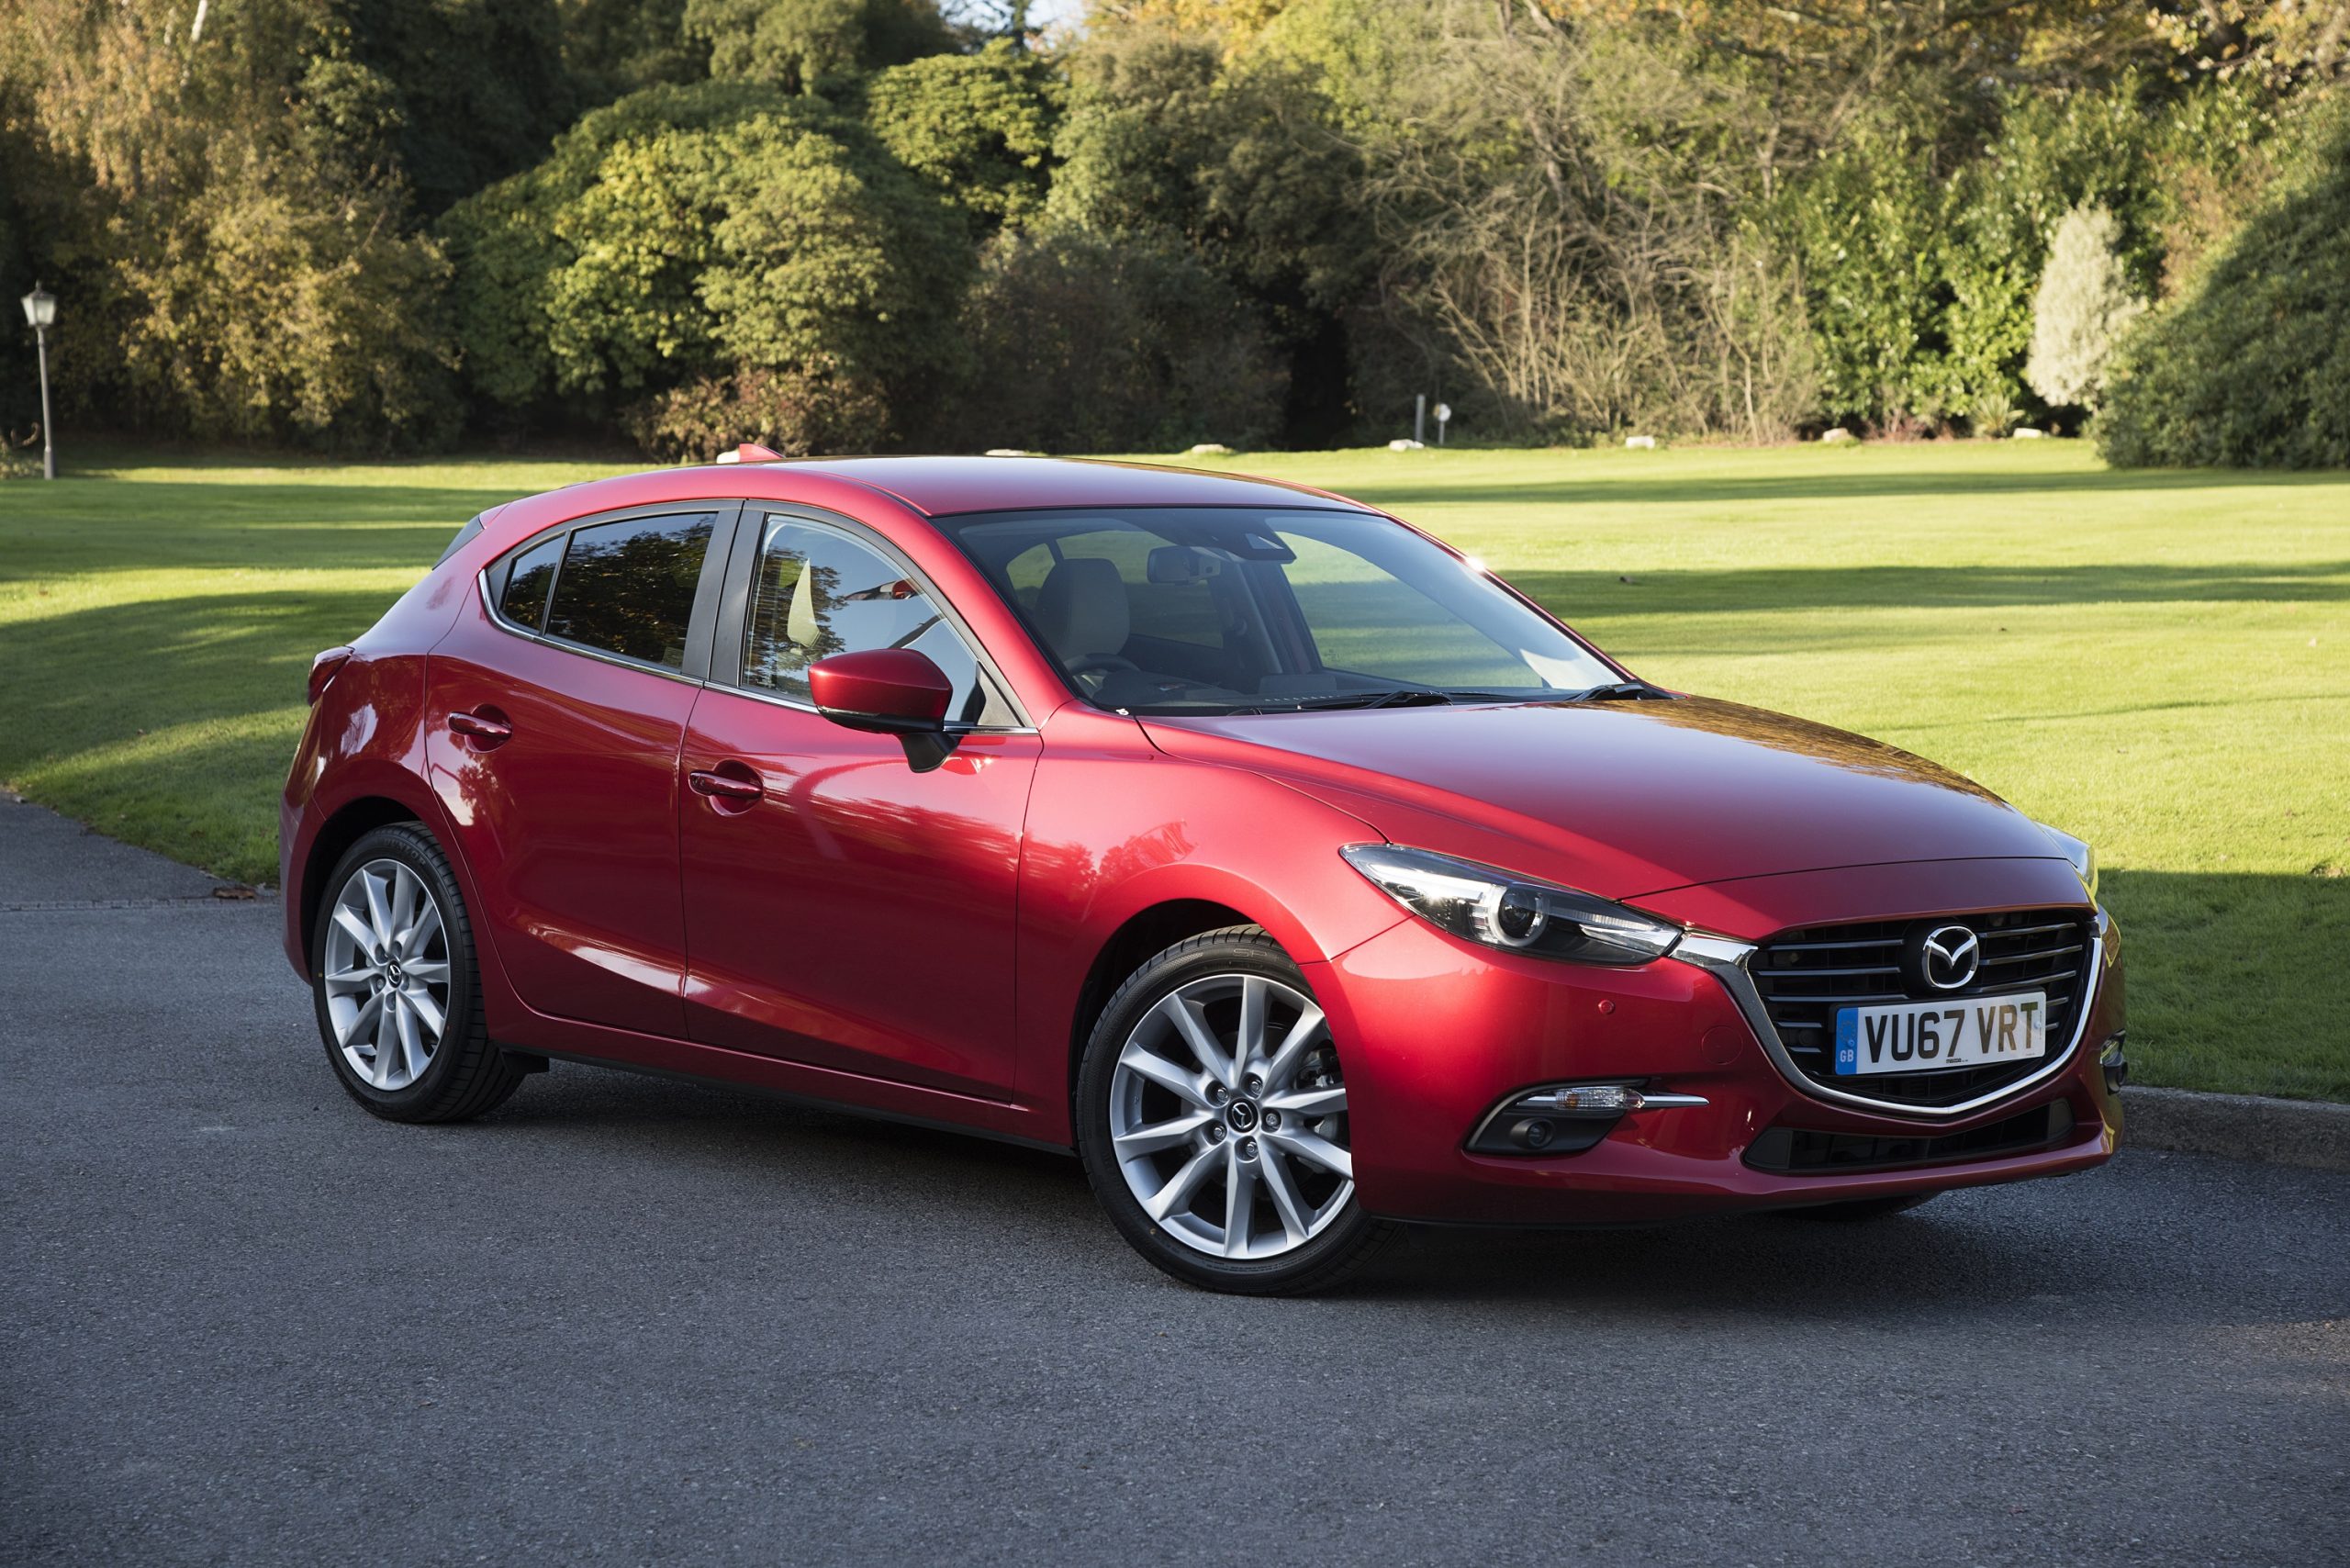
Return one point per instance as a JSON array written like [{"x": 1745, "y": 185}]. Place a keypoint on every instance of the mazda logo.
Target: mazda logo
[{"x": 1948, "y": 957}]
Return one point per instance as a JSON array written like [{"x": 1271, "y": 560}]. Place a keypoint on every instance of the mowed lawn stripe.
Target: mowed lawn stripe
[{"x": 2159, "y": 661}]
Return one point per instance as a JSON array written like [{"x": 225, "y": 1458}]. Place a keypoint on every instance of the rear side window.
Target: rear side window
[
  {"x": 524, "y": 602},
  {"x": 628, "y": 588}
]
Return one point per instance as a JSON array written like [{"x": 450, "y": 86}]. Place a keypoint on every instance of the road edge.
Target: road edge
[{"x": 2313, "y": 1135}]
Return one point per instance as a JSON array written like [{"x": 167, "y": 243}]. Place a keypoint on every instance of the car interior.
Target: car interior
[{"x": 1220, "y": 609}]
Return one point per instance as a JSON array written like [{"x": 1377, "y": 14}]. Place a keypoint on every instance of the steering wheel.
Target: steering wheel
[{"x": 1090, "y": 664}]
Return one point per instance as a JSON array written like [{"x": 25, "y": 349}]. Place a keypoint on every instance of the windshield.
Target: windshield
[{"x": 1212, "y": 609}]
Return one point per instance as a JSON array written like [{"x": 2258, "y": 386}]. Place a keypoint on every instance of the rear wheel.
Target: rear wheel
[
  {"x": 395, "y": 984},
  {"x": 1212, "y": 1116}
]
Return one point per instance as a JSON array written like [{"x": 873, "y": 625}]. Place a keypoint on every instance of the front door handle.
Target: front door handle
[
  {"x": 725, "y": 786},
  {"x": 483, "y": 728}
]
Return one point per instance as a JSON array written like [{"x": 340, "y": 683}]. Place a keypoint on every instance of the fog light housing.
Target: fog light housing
[
  {"x": 2116, "y": 1065},
  {"x": 1566, "y": 1118}
]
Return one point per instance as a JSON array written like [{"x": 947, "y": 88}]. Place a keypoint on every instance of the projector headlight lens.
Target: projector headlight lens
[{"x": 1515, "y": 914}]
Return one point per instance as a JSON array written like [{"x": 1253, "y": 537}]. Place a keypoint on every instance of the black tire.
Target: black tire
[
  {"x": 1344, "y": 1244},
  {"x": 1861, "y": 1208},
  {"x": 467, "y": 1074}
]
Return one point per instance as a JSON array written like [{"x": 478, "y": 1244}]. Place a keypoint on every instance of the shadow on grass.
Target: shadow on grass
[
  {"x": 1668, "y": 488},
  {"x": 2236, "y": 980},
  {"x": 1769, "y": 589},
  {"x": 170, "y": 722},
  {"x": 143, "y": 527}
]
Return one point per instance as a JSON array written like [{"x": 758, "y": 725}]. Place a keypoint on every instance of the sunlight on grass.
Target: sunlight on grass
[{"x": 2159, "y": 661}]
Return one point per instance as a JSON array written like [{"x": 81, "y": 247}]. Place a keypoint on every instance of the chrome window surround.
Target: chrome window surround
[
  {"x": 744, "y": 523},
  {"x": 1725, "y": 957},
  {"x": 561, "y": 644}
]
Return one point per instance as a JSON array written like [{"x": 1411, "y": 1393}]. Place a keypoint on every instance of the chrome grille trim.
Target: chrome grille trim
[{"x": 1725, "y": 957}]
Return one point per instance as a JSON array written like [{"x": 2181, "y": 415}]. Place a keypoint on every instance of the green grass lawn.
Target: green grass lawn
[{"x": 2157, "y": 661}]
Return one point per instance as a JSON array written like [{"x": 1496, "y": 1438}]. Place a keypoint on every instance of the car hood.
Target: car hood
[{"x": 1620, "y": 799}]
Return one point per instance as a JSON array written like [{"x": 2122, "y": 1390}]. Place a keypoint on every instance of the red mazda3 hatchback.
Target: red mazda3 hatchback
[{"x": 1290, "y": 867}]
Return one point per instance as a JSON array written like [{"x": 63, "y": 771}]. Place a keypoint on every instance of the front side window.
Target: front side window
[
  {"x": 816, "y": 592},
  {"x": 628, "y": 587},
  {"x": 1201, "y": 609}
]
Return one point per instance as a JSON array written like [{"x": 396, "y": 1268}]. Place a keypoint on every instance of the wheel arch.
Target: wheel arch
[
  {"x": 348, "y": 824},
  {"x": 1150, "y": 930}
]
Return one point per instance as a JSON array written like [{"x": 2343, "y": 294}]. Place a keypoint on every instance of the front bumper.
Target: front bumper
[{"x": 1441, "y": 1031}]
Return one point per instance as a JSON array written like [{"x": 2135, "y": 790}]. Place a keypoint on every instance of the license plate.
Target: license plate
[{"x": 1928, "y": 1036}]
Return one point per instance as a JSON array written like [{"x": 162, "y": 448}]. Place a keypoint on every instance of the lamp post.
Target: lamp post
[{"x": 41, "y": 309}]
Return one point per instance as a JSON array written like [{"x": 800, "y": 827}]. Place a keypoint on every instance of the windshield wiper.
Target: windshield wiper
[
  {"x": 1621, "y": 691},
  {"x": 1401, "y": 696}
]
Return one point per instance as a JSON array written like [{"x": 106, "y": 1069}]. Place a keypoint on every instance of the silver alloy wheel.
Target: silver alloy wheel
[
  {"x": 386, "y": 973},
  {"x": 1229, "y": 1118}
]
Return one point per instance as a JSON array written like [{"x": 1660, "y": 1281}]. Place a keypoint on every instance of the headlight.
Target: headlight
[
  {"x": 2077, "y": 851},
  {"x": 1511, "y": 912}
]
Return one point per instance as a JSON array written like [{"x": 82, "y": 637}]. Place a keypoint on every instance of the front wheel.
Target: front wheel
[
  {"x": 1212, "y": 1116},
  {"x": 395, "y": 986}
]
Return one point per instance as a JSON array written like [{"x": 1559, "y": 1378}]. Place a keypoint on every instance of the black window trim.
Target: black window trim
[
  {"x": 702, "y": 622},
  {"x": 734, "y": 603}
]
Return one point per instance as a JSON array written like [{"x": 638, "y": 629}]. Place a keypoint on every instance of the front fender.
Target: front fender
[{"x": 1116, "y": 827}]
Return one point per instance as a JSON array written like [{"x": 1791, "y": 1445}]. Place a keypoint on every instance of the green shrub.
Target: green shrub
[
  {"x": 797, "y": 413},
  {"x": 2084, "y": 303},
  {"x": 978, "y": 127},
  {"x": 686, "y": 233},
  {"x": 2250, "y": 367},
  {"x": 1080, "y": 342}
]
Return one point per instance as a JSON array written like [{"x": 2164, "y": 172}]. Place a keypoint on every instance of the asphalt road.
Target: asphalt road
[{"x": 628, "y": 1320}]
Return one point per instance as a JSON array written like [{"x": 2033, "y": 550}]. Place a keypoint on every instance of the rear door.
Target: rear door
[{"x": 557, "y": 708}]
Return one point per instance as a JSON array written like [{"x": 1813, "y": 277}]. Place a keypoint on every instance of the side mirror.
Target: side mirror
[{"x": 890, "y": 692}]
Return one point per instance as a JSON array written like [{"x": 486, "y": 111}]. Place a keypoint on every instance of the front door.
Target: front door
[{"x": 854, "y": 914}]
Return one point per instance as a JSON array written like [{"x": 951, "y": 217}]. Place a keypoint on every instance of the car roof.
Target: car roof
[
  {"x": 926, "y": 486},
  {"x": 939, "y": 486}
]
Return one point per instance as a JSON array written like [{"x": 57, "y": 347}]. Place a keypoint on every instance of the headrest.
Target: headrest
[{"x": 1082, "y": 609}]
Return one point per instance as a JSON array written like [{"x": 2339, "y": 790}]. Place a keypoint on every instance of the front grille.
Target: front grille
[
  {"x": 1793, "y": 1151},
  {"x": 1805, "y": 976}
]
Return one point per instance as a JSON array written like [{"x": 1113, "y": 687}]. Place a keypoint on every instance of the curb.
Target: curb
[{"x": 2311, "y": 1134}]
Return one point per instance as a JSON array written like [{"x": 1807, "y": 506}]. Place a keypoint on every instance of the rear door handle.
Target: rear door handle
[
  {"x": 724, "y": 788},
  {"x": 484, "y": 729}
]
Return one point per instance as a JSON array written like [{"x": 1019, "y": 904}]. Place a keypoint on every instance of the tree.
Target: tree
[
  {"x": 460, "y": 93},
  {"x": 799, "y": 44},
  {"x": 978, "y": 127},
  {"x": 613, "y": 48},
  {"x": 242, "y": 264},
  {"x": 2274, "y": 40},
  {"x": 1241, "y": 162},
  {"x": 1563, "y": 233},
  {"x": 684, "y": 234},
  {"x": 2250, "y": 367},
  {"x": 2084, "y": 301},
  {"x": 1082, "y": 343}
]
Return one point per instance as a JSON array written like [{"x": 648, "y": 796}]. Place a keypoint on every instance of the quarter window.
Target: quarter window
[
  {"x": 817, "y": 592},
  {"x": 628, "y": 587},
  {"x": 524, "y": 602}
]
